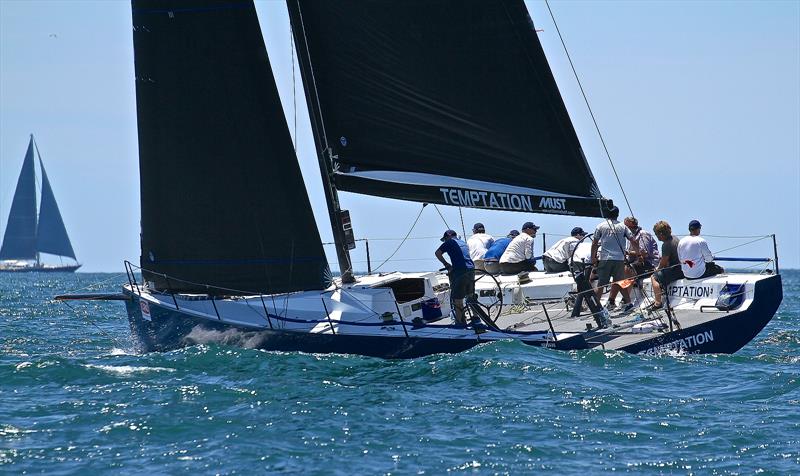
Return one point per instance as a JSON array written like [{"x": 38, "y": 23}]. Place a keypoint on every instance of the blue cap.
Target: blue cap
[
  {"x": 513, "y": 233},
  {"x": 694, "y": 224},
  {"x": 449, "y": 234},
  {"x": 529, "y": 224},
  {"x": 578, "y": 231}
]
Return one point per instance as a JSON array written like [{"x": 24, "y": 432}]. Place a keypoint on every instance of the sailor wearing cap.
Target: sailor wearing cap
[
  {"x": 461, "y": 272},
  {"x": 518, "y": 256},
  {"x": 695, "y": 257},
  {"x": 556, "y": 259},
  {"x": 478, "y": 243},
  {"x": 491, "y": 260},
  {"x": 611, "y": 238}
]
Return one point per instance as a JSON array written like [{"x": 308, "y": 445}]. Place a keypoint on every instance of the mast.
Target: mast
[{"x": 325, "y": 155}]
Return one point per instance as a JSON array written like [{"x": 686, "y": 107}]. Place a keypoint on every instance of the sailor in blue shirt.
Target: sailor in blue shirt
[
  {"x": 461, "y": 272},
  {"x": 491, "y": 260}
]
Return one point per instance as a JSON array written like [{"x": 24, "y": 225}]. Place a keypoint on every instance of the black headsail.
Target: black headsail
[
  {"x": 19, "y": 241},
  {"x": 223, "y": 200},
  {"x": 441, "y": 101}
]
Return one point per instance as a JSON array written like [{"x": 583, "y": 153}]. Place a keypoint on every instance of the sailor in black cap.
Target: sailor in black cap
[
  {"x": 695, "y": 257},
  {"x": 461, "y": 272},
  {"x": 556, "y": 259},
  {"x": 518, "y": 256}
]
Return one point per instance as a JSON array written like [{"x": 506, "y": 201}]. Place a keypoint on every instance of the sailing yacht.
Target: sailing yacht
[
  {"x": 433, "y": 101},
  {"x": 28, "y": 233}
]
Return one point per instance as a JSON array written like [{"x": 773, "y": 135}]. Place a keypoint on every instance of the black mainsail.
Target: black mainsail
[
  {"x": 441, "y": 101},
  {"x": 19, "y": 241},
  {"x": 223, "y": 201}
]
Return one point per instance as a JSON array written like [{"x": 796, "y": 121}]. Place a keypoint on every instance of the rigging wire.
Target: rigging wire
[
  {"x": 463, "y": 229},
  {"x": 294, "y": 88},
  {"x": 586, "y": 100},
  {"x": 440, "y": 214},
  {"x": 90, "y": 321},
  {"x": 416, "y": 220}
]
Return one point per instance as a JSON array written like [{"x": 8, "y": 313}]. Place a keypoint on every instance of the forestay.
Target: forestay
[{"x": 441, "y": 101}]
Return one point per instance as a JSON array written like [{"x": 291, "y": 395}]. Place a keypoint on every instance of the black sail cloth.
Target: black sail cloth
[
  {"x": 442, "y": 101},
  {"x": 19, "y": 241},
  {"x": 51, "y": 234},
  {"x": 223, "y": 201}
]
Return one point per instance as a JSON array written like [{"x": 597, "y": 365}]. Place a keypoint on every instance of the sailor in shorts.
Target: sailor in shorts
[
  {"x": 461, "y": 272},
  {"x": 610, "y": 238}
]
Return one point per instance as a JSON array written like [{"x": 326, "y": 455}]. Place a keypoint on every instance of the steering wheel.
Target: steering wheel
[{"x": 489, "y": 299}]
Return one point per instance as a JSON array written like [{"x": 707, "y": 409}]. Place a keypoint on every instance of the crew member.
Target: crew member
[
  {"x": 461, "y": 272},
  {"x": 610, "y": 238},
  {"x": 646, "y": 259},
  {"x": 556, "y": 259},
  {"x": 642, "y": 262},
  {"x": 695, "y": 257},
  {"x": 669, "y": 266},
  {"x": 478, "y": 243},
  {"x": 491, "y": 260},
  {"x": 518, "y": 256}
]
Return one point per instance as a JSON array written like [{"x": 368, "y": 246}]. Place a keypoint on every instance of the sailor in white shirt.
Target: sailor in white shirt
[
  {"x": 478, "y": 243},
  {"x": 518, "y": 256},
  {"x": 556, "y": 258},
  {"x": 695, "y": 257}
]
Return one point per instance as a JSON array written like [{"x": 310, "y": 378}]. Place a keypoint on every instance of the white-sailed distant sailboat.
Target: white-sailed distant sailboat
[
  {"x": 449, "y": 102},
  {"x": 30, "y": 233}
]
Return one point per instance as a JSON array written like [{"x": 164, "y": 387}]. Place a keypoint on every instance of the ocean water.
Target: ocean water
[{"x": 75, "y": 399}]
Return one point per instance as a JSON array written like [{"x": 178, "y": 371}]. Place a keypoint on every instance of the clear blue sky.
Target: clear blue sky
[{"x": 699, "y": 103}]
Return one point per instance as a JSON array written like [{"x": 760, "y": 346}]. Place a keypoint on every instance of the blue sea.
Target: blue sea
[{"x": 76, "y": 399}]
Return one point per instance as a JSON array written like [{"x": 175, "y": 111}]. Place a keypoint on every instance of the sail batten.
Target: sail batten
[
  {"x": 19, "y": 240},
  {"x": 457, "y": 88},
  {"x": 224, "y": 206}
]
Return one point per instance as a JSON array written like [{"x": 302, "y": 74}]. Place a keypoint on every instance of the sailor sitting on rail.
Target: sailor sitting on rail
[
  {"x": 461, "y": 273},
  {"x": 556, "y": 258},
  {"x": 518, "y": 256},
  {"x": 491, "y": 260},
  {"x": 478, "y": 244},
  {"x": 669, "y": 268},
  {"x": 695, "y": 257}
]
